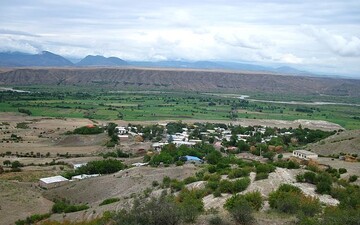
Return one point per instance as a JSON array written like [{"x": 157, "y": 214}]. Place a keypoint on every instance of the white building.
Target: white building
[
  {"x": 51, "y": 182},
  {"x": 78, "y": 165},
  {"x": 84, "y": 176},
  {"x": 304, "y": 154},
  {"x": 121, "y": 130}
]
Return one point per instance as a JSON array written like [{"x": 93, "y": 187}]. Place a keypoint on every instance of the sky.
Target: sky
[{"x": 318, "y": 36}]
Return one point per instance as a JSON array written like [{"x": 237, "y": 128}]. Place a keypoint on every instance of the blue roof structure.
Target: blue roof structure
[{"x": 192, "y": 158}]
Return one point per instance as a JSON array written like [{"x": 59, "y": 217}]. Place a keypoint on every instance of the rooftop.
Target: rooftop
[
  {"x": 305, "y": 152},
  {"x": 54, "y": 179}
]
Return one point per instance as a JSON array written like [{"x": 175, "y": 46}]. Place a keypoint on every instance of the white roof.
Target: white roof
[
  {"x": 49, "y": 180},
  {"x": 84, "y": 176},
  {"x": 305, "y": 152}
]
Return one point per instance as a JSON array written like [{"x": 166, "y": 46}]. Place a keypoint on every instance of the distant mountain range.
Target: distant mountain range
[
  {"x": 98, "y": 60},
  {"x": 18, "y": 59},
  {"x": 48, "y": 59}
]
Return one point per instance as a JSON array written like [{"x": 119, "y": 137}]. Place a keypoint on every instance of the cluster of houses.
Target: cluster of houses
[{"x": 180, "y": 138}]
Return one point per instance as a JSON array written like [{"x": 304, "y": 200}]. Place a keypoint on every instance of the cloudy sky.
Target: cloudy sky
[{"x": 320, "y": 36}]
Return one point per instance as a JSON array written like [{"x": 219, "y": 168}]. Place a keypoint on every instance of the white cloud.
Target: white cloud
[
  {"x": 290, "y": 58},
  {"x": 262, "y": 31},
  {"x": 347, "y": 47}
]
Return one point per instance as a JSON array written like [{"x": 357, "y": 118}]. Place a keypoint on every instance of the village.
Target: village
[{"x": 225, "y": 138}]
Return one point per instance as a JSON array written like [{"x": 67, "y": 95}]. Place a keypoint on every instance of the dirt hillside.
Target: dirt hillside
[{"x": 176, "y": 79}]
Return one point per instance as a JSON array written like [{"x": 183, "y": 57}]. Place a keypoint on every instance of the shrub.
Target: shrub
[
  {"x": 323, "y": 187},
  {"x": 236, "y": 173},
  {"x": 217, "y": 193},
  {"x": 216, "y": 220},
  {"x": 33, "y": 219},
  {"x": 191, "y": 204},
  {"x": 300, "y": 178},
  {"x": 226, "y": 186},
  {"x": 342, "y": 170},
  {"x": 241, "y": 212},
  {"x": 155, "y": 183},
  {"x": 109, "y": 201},
  {"x": 353, "y": 178},
  {"x": 64, "y": 206},
  {"x": 190, "y": 180},
  {"x": 310, "y": 177},
  {"x": 289, "y": 199},
  {"x": 253, "y": 198},
  {"x": 261, "y": 176},
  {"x": 240, "y": 185}
]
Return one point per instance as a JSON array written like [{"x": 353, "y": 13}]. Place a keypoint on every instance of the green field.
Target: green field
[{"x": 67, "y": 101}]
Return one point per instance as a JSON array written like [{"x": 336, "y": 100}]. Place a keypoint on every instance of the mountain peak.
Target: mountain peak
[{"x": 99, "y": 60}]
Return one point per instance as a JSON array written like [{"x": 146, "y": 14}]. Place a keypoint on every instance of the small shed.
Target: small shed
[
  {"x": 52, "y": 182},
  {"x": 304, "y": 154}
]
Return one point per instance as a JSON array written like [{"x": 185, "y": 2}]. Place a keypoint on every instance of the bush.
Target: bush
[
  {"x": 33, "y": 219},
  {"x": 109, "y": 201},
  {"x": 342, "y": 170},
  {"x": 263, "y": 170},
  {"x": 289, "y": 199},
  {"x": 191, "y": 204},
  {"x": 190, "y": 180},
  {"x": 253, "y": 198},
  {"x": 64, "y": 206},
  {"x": 240, "y": 185},
  {"x": 300, "y": 178},
  {"x": 261, "y": 176},
  {"x": 216, "y": 220},
  {"x": 155, "y": 183},
  {"x": 353, "y": 178},
  {"x": 236, "y": 173},
  {"x": 310, "y": 177},
  {"x": 241, "y": 211}
]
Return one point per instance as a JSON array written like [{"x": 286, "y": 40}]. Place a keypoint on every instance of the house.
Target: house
[
  {"x": 121, "y": 130},
  {"x": 157, "y": 146},
  {"x": 123, "y": 137},
  {"x": 52, "y": 182},
  {"x": 179, "y": 143},
  {"x": 191, "y": 159},
  {"x": 78, "y": 165},
  {"x": 138, "y": 164},
  {"x": 304, "y": 154}
]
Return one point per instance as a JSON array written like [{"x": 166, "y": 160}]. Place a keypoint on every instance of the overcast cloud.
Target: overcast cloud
[{"x": 321, "y": 36}]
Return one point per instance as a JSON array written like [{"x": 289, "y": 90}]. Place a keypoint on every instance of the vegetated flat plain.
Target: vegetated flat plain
[{"x": 101, "y": 104}]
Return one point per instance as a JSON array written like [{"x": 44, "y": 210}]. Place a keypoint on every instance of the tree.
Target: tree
[
  {"x": 213, "y": 157},
  {"x": 16, "y": 164},
  {"x": 7, "y": 163}
]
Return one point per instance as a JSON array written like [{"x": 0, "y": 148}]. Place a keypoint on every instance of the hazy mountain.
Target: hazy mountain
[
  {"x": 48, "y": 59},
  {"x": 18, "y": 59},
  {"x": 99, "y": 60}
]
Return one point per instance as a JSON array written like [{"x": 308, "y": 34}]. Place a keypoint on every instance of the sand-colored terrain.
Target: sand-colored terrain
[{"x": 19, "y": 200}]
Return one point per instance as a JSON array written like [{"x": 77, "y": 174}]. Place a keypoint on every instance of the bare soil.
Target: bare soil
[
  {"x": 344, "y": 142},
  {"x": 19, "y": 200}
]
